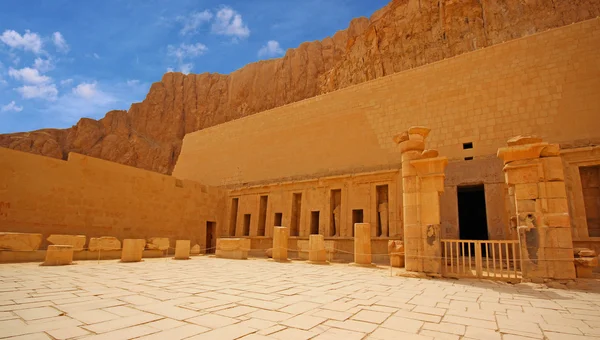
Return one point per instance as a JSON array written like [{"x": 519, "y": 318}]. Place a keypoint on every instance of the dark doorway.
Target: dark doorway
[
  {"x": 211, "y": 237},
  {"x": 296, "y": 210},
  {"x": 277, "y": 219},
  {"x": 246, "y": 225},
  {"x": 357, "y": 217},
  {"x": 233, "y": 216},
  {"x": 262, "y": 215},
  {"x": 472, "y": 218},
  {"x": 590, "y": 186},
  {"x": 314, "y": 222}
]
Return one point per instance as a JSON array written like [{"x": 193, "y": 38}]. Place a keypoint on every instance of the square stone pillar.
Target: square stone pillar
[
  {"x": 534, "y": 171},
  {"x": 280, "y": 244},
  {"x": 182, "y": 250},
  {"x": 59, "y": 255},
  {"x": 316, "y": 249},
  {"x": 132, "y": 250},
  {"x": 422, "y": 183},
  {"x": 362, "y": 243}
]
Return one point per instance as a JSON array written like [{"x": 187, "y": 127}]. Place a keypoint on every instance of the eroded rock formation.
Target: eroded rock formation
[{"x": 402, "y": 35}]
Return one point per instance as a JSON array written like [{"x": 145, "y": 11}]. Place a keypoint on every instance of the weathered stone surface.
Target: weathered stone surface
[
  {"x": 160, "y": 243},
  {"x": 233, "y": 248},
  {"x": 133, "y": 249},
  {"x": 195, "y": 250},
  {"x": 104, "y": 243},
  {"x": 400, "y": 36},
  {"x": 182, "y": 249},
  {"x": 269, "y": 253},
  {"x": 20, "y": 241},
  {"x": 77, "y": 241},
  {"x": 523, "y": 140},
  {"x": 59, "y": 255}
]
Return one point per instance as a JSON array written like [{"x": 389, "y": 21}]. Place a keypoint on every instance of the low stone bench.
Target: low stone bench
[
  {"x": 58, "y": 255},
  {"x": 233, "y": 248},
  {"x": 20, "y": 241},
  {"x": 182, "y": 249},
  {"x": 77, "y": 241}
]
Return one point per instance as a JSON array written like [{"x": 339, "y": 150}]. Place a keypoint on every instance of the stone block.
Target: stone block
[
  {"x": 316, "y": 252},
  {"x": 20, "y": 241},
  {"x": 412, "y": 145},
  {"x": 525, "y": 206},
  {"x": 362, "y": 243},
  {"x": 523, "y": 140},
  {"x": 557, "y": 220},
  {"x": 77, "y": 241},
  {"x": 552, "y": 189},
  {"x": 280, "y": 243},
  {"x": 554, "y": 205},
  {"x": 431, "y": 166},
  {"x": 584, "y": 272},
  {"x": 519, "y": 174},
  {"x": 526, "y": 191},
  {"x": 104, "y": 243},
  {"x": 182, "y": 250},
  {"x": 553, "y": 169},
  {"x": 133, "y": 249},
  {"x": 521, "y": 152},
  {"x": 59, "y": 255},
  {"x": 233, "y": 248},
  {"x": 195, "y": 250},
  {"x": 160, "y": 243}
]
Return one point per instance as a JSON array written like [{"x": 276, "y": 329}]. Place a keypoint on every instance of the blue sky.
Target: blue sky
[{"x": 61, "y": 60}]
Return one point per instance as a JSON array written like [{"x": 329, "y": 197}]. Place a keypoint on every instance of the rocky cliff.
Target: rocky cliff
[{"x": 402, "y": 35}]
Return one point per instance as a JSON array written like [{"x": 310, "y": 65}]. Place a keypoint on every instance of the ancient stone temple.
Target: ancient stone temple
[{"x": 322, "y": 165}]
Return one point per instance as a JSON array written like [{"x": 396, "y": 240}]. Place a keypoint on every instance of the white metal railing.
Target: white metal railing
[{"x": 493, "y": 259}]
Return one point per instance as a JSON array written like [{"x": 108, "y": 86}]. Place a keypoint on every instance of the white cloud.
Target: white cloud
[
  {"x": 186, "y": 51},
  {"x": 186, "y": 68},
  {"x": 43, "y": 91},
  {"x": 28, "y": 75},
  {"x": 66, "y": 82},
  {"x": 43, "y": 65},
  {"x": 229, "y": 22},
  {"x": 96, "y": 55},
  {"x": 132, "y": 82},
  {"x": 170, "y": 69},
  {"x": 271, "y": 49},
  {"x": 28, "y": 41},
  {"x": 60, "y": 42},
  {"x": 86, "y": 90},
  {"x": 193, "y": 21},
  {"x": 12, "y": 106}
]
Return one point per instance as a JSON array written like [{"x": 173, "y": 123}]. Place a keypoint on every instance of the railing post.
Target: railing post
[{"x": 478, "y": 259}]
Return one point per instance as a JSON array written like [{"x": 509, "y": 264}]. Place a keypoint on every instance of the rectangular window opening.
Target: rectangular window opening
[
  {"x": 357, "y": 217},
  {"x": 468, "y": 158},
  {"x": 246, "y": 225},
  {"x": 468, "y": 145},
  {"x": 278, "y": 219},
  {"x": 296, "y": 211},
  {"x": 262, "y": 215},
  {"x": 314, "y": 222},
  {"x": 382, "y": 211},
  {"x": 233, "y": 216},
  {"x": 336, "y": 212}
]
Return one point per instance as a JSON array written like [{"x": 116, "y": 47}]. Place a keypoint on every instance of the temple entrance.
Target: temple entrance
[
  {"x": 472, "y": 218},
  {"x": 590, "y": 186},
  {"x": 211, "y": 237}
]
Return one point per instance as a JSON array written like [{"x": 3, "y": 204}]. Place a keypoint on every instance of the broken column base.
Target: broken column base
[
  {"x": 182, "y": 250},
  {"x": 59, "y": 255},
  {"x": 233, "y": 248}
]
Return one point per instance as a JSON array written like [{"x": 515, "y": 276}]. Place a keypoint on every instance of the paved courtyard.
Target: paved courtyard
[{"x": 209, "y": 298}]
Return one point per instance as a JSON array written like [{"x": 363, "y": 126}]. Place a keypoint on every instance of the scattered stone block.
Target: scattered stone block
[
  {"x": 585, "y": 262},
  {"x": 77, "y": 241},
  {"x": 20, "y": 241},
  {"x": 280, "y": 243},
  {"x": 160, "y": 243},
  {"x": 396, "y": 252},
  {"x": 316, "y": 249},
  {"x": 59, "y": 255},
  {"x": 195, "y": 250},
  {"x": 524, "y": 140},
  {"x": 362, "y": 243},
  {"x": 233, "y": 248},
  {"x": 269, "y": 253},
  {"x": 133, "y": 249},
  {"x": 104, "y": 243},
  {"x": 182, "y": 249}
]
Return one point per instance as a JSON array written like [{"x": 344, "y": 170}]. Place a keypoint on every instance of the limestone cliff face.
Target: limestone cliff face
[{"x": 402, "y": 35}]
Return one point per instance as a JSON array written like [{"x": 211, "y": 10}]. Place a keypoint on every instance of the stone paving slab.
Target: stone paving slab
[{"x": 210, "y": 298}]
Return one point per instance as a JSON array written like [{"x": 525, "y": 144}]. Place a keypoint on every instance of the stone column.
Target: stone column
[
  {"x": 422, "y": 184},
  {"x": 132, "y": 250},
  {"x": 534, "y": 170},
  {"x": 316, "y": 249},
  {"x": 182, "y": 250},
  {"x": 280, "y": 244},
  {"x": 362, "y": 243},
  {"x": 59, "y": 255}
]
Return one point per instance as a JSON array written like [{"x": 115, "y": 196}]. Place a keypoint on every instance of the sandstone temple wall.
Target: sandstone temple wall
[
  {"x": 93, "y": 197},
  {"x": 545, "y": 84}
]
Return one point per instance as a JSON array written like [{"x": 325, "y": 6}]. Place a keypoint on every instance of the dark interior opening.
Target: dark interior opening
[
  {"x": 233, "y": 216},
  {"x": 314, "y": 222},
  {"x": 382, "y": 211},
  {"x": 590, "y": 186},
  {"x": 277, "y": 220},
  {"x": 211, "y": 237},
  {"x": 468, "y": 158},
  {"x": 246, "y": 225},
  {"x": 262, "y": 215},
  {"x": 296, "y": 209},
  {"x": 468, "y": 145},
  {"x": 357, "y": 217},
  {"x": 472, "y": 218}
]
